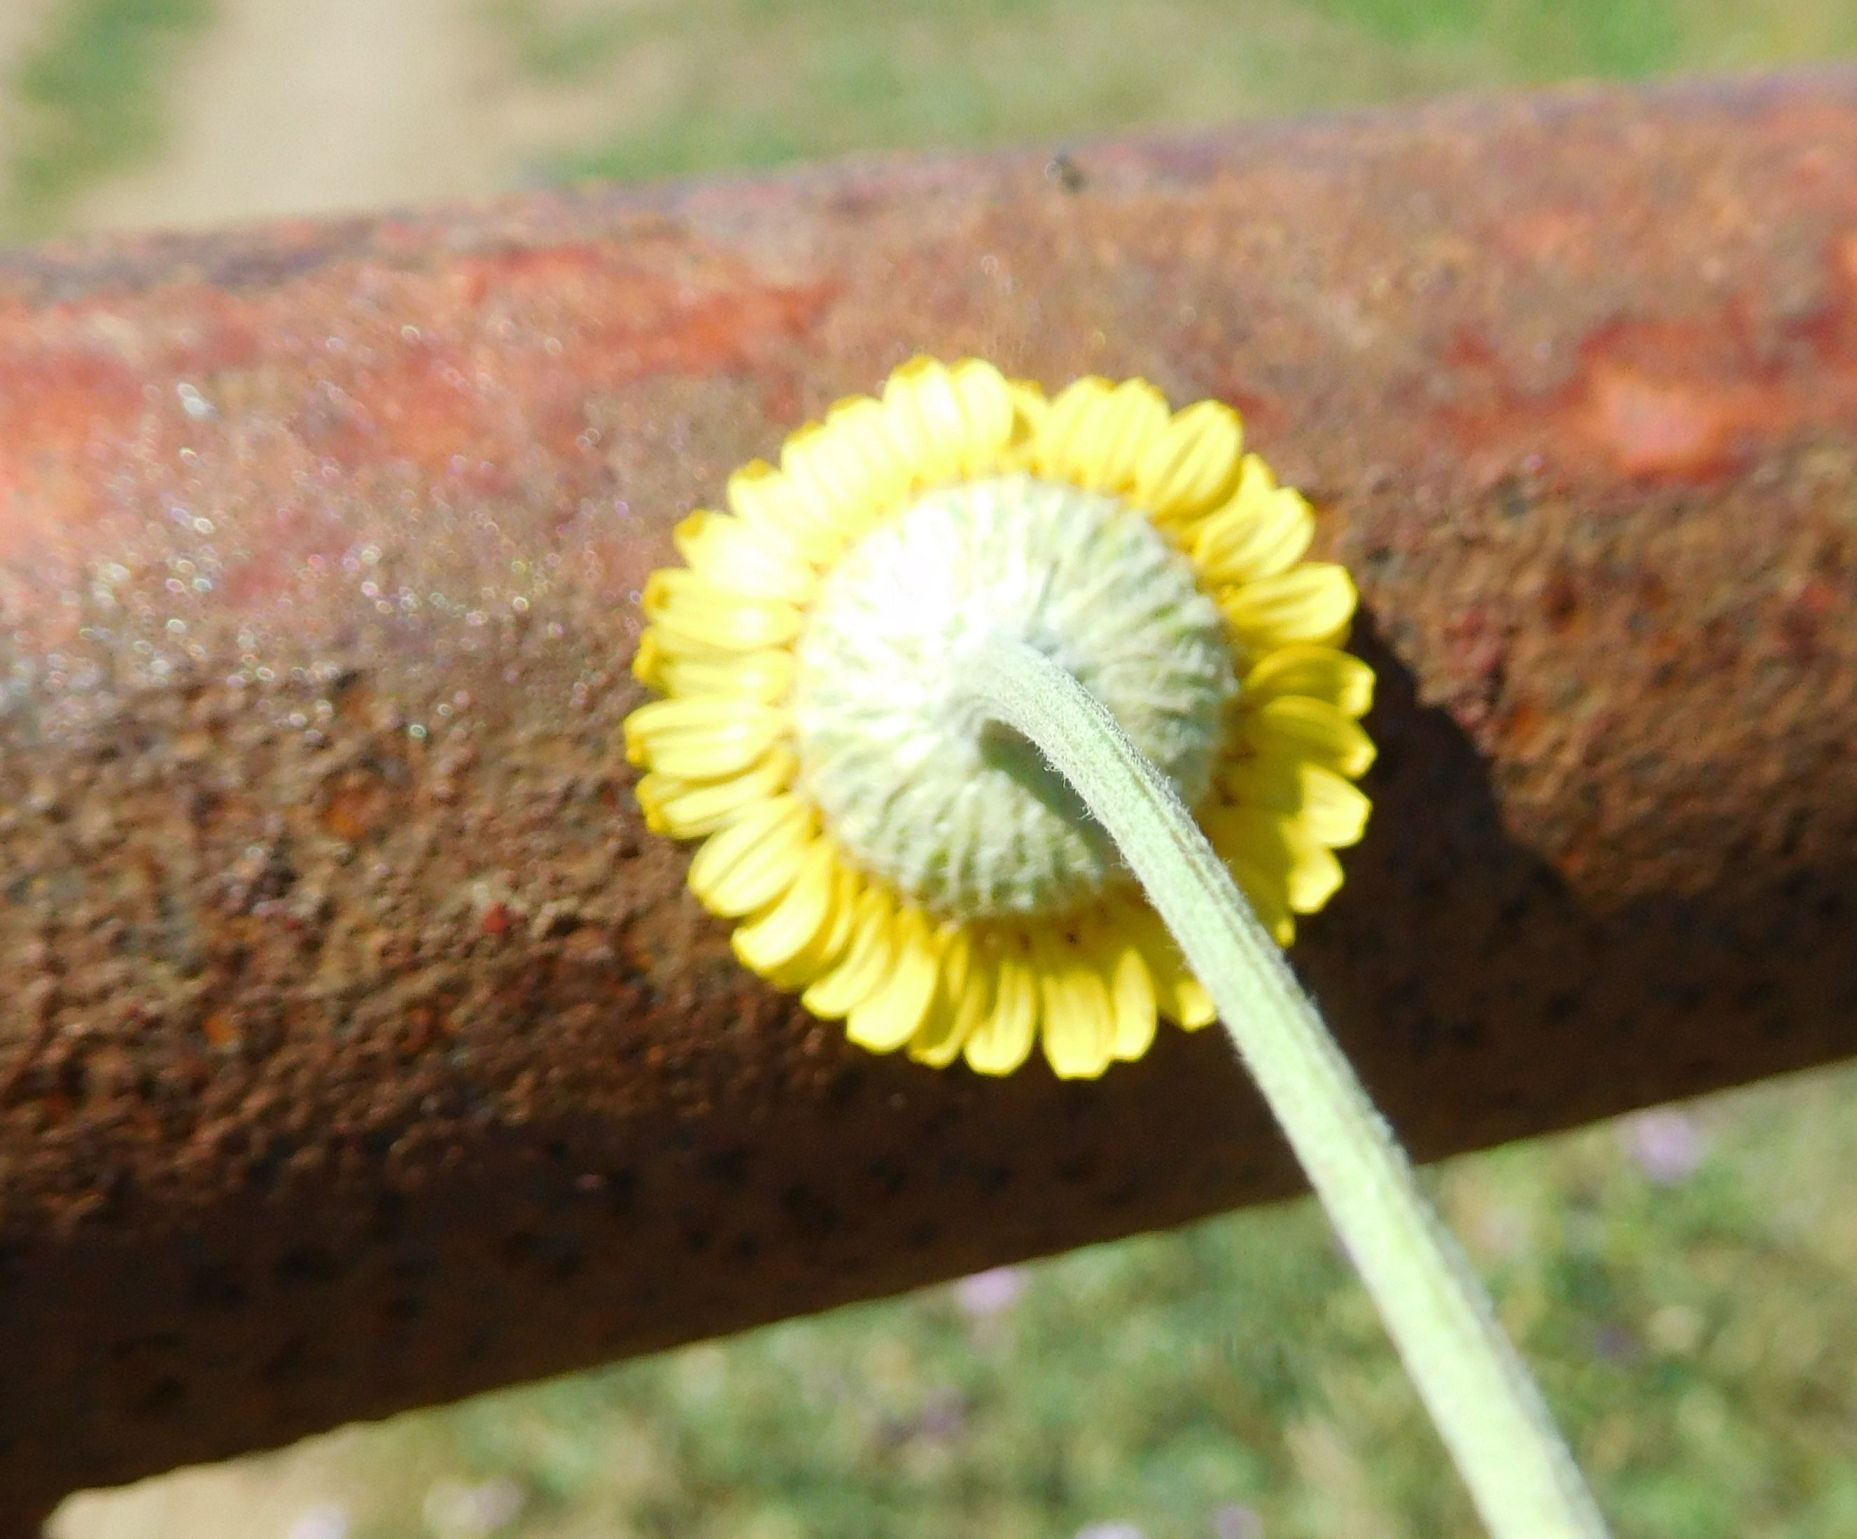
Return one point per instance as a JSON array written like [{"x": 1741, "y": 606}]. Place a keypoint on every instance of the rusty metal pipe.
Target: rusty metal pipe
[{"x": 359, "y": 1050}]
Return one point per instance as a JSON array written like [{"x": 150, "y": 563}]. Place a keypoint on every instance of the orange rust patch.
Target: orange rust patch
[
  {"x": 416, "y": 404},
  {"x": 1658, "y": 427},
  {"x": 707, "y": 331},
  {"x": 357, "y": 808},
  {"x": 54, "y": 405},
  {"x": 220, "y": 1028},
  {"x": 1562, "y": 236},
  {"x": 499, "y": 355},
  {"x": 1675, "y": 399},
  {"x": 478, "y": 277},
  {"x": 565, "y": 324}
]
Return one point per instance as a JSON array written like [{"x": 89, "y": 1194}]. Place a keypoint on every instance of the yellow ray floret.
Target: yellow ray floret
[{"x": 1148, "y": 548}]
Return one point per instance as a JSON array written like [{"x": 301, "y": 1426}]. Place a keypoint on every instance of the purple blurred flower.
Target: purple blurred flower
[
  {"x": 325, "y": 1520},
  {"x": 453, "y": 1508},
  {"x": 944, "y": 1416},
  {"x": 987, "y": 1295},
  {"x": 1236, "y": 1522},
  {"x": 1615, "y": 1344},
  {"x": 1667, "y": 1144}
]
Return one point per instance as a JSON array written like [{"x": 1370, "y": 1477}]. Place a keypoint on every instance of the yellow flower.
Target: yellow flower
[{"x": 886, "y": 853}]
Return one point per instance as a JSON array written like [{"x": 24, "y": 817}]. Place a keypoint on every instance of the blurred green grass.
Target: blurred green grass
[
  {"x": 1683, "y": 1280},
  {"x": 700, "y": 85},
  {"x": 89, "y": 97},
  {"x": 757, "y": 82}
]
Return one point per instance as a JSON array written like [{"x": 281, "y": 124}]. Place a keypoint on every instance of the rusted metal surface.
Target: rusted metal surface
[{"x": 358, "y": 1048}]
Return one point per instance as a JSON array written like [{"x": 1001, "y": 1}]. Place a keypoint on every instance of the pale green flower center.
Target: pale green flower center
[{"x": 911, "y": 781}]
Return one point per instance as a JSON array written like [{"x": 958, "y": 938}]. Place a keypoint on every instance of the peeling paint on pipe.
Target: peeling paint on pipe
[{"x": 359, "y": 1050}]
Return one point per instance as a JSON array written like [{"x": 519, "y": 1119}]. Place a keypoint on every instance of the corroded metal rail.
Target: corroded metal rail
[{"x": 359, "y": 1050}]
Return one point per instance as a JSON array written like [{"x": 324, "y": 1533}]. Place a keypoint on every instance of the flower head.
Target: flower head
[{"x": 888, "y": 852}]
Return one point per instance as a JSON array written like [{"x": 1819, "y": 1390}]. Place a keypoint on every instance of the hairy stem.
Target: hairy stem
[{"x": 1481, "y": 1397}]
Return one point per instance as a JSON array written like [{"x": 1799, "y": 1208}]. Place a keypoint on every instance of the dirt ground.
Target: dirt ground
[
  {"x": 283, "y": 108},
  {"x": 286, "y": 108}
]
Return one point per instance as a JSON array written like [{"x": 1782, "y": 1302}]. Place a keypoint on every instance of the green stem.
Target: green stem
[{"x": 1480, "y": 1396}]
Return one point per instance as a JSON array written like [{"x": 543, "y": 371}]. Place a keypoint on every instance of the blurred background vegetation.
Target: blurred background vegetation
[{"x": 1683, "y": 1278}]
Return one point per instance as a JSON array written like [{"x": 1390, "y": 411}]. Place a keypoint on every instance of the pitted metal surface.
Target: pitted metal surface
[{"x": 359, "y": 1049}]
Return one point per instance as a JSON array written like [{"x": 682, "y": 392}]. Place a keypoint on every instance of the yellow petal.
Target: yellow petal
[
  {"x": 770, "y": 503},
  {"x": 1279, "y": 849},
  {"x": 795, "y": 921},
  {"x": 1003, "y": 1038},
  {"x": 870, "y": 471},
  {"x": 706, "y": 737},
  {"x": 890, "y": 1014},
  {"x": 1079, "y": 1018},
  {"x": 648, "y": 660},
  {"x": 1192, "y": 1004},
  {"x": 1178, "y": 995},
  {"x": 765, "y": 676},
  {"x": 865, "y": 962},
  {"x": 1309, "y": 603},
  {"x": 1065, "y": 416},
  {"x": 1294, "y": 724},
  {"x": 1266, "y": 893},
  {"x": 847, "y": 470},
  {"x": 744, "y": 558},
  {"x": 1261, "y": 532},
  {"x": 988, "y": 411},
  {"x": 1096, "y": 434},
  {"x": 1028, "y": 412},
  {"x": 962, "y": 998},
  {"x": 755, "y": 859},
  {"x": 1192, "y": 464},
  {"x": 689, "y": 609},
  {"x": 1320, "y": 673},
  {"x": 689, "y": 809},
  {"x": 948, "y": 420},
  {"x": 923, "y": 419},
  {"x": 1131, "y": 996},
  {"x": 1333, "y": 810},
  {"x": 828, "y": 947},
  {"x": 738, "y": 628}
]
